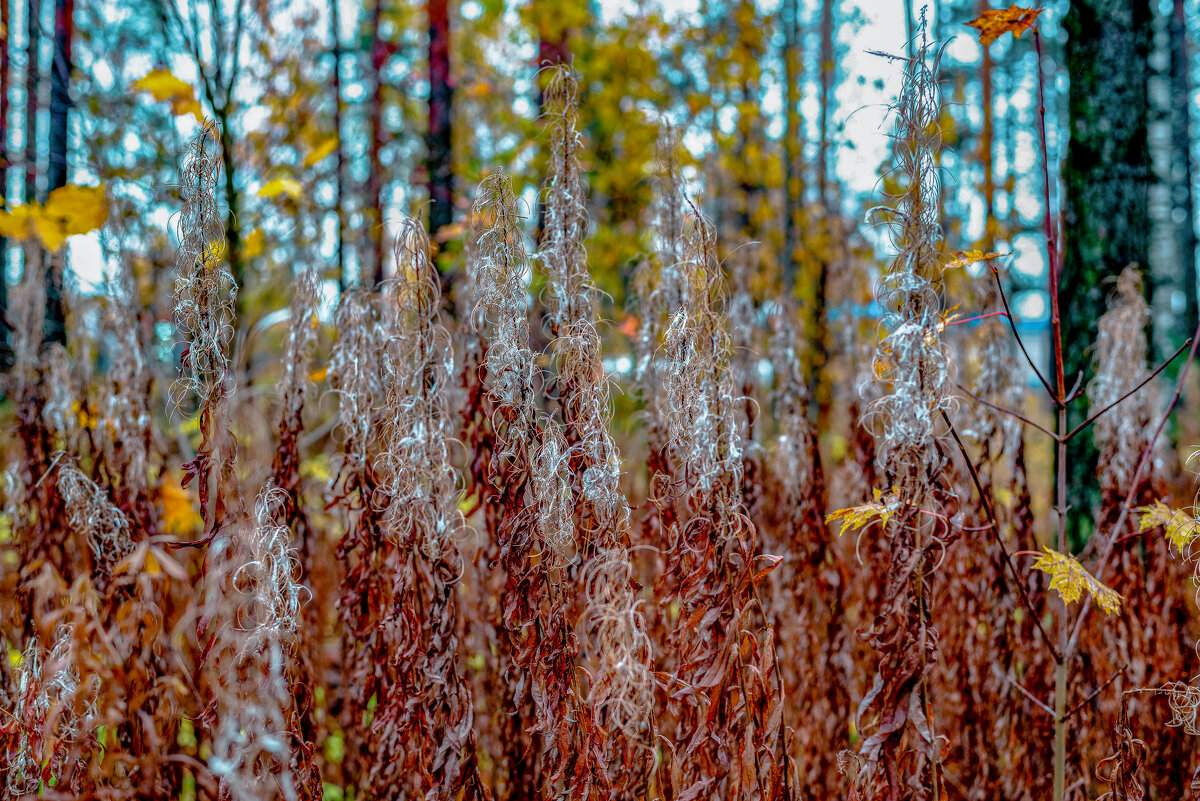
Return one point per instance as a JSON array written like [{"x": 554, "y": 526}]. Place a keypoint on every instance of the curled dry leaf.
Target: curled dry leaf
[
  {"x": 856, "y": 517},
  {"x": 1179, "y": 527},
  {"x": 995, "y": 23}
]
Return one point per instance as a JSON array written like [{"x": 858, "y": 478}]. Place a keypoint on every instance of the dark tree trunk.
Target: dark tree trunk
[
  {"x": 56, "y": 166},
  {"x": 340, "y": 176},
  {"x": 818, "y": 317},
  {"x": 378, "y": 232},
  {"x": 1183, "y": 204},
  {"x": 552, "y": 49},
  {"x": 6, "y": 353},
  {"x": 233, "y": 232},
  {"x": 33, "y": 32},
  {"x": 441, "y": 97},
  {"x": 793, "y": 143},
  {"x": 1106, "y": 181},
  {"x": 986, "y": 138},
  {"x": 826, "y": 75}
]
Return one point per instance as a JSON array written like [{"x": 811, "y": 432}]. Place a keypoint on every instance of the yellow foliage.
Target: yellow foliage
[
  {"x": 255, "y": 244},
  {"x": 1070, "y": 580},
  {"x": 856, "y": 517},
  {"x": 321, "y": 151},
  {"x": 163, "y": 85},
  {"x": 69, "y": 210},
  {"x": 317, "y": 468},
  {"x": 81, "y": 208},
  {"x": 281, "y": 186},
  {"x": 49, "y": 228},
  {"x": 1179, "y": 527},
  {"x": 16, "y": 224},
  {"x": 965, "y": 258},
  {"x": 179, "y": 515}
]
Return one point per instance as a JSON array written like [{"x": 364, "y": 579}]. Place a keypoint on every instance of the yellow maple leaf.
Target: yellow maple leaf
[
  {"x": 281, "y": 186},
  {"x": 965, "y": 258},
  {"x": 855, "y": 517},
  {"x": 1180, "y": 528},
  {"x": 163, "y": 85},
  {"x": 995, "y": 23},
  {"x": 1070, "y": 580},
  {"x": 321, "y": 151}
]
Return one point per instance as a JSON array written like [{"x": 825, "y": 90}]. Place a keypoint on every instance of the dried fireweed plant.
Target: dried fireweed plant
[
  {"x": 536, "y": 534},
  {"x": 425, "y": 718},
  {"x": 621, "y": 692},
  {"x": 93, "y": 517},
  {"x": 901, "y": 752},
  {"x": 723, "y": 692},
  {"x": 358, "y": 378},
  {"x": 204, "y": 297},
  {"x": 303, "y": 326},
  {"x": 258, "y": 751}
]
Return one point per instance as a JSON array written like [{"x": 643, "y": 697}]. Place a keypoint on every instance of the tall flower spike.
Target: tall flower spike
[
  {"x": 704, "y": 433},
  {"x": 125, "y": 407},
  {"x": 355, "y": 372},
  {"x": 1121, "y": 352},
  {"x": 303, "y": 325},
  {"x": 204, "y": 291},
  {"x": 561, "y": 250}
]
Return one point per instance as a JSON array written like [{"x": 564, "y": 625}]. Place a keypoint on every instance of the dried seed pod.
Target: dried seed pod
[
  {"x": 254, "y": 600},
  {"x": 93, "y": 517}
]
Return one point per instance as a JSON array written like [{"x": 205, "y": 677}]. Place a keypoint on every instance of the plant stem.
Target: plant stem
[{"x": 1060, "y": 397}]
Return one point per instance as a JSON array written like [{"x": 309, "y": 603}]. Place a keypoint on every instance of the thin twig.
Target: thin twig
[
  {"x": 1076, "y": 388},
  {"x": 1030, "y": 696},
  {"x": 1012, "y": 325},
  {"x": 995, "y": 529},
  {"x": 1094, "y": 693},
  {"x": 1148, "y": 379},
  {"x": 1008, "y": 411}
]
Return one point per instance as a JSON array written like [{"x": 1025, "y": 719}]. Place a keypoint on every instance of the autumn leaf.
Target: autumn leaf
[
  {"x": 163, "y": 85},
  {"x": 995, "y": 23},
  {"x": 81, "y": 209},
  {"x": 179, "y": 515},
  {"x": 1069, "y": 579},
  {"x": 965, "y": 258},
  {"x": 856, "y": 517},
  {"x": 16, "y": 224},
  {"x": 321, "y": 151},
  {"x": 50, "y": 229},
  {"x": 69, "y": 210},
  {"x": 255, "y": 245},
  {"x": 630, "y": 326},
  {"x": 281, "y": 186},
  {"x": 1180, "y": 528}
]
